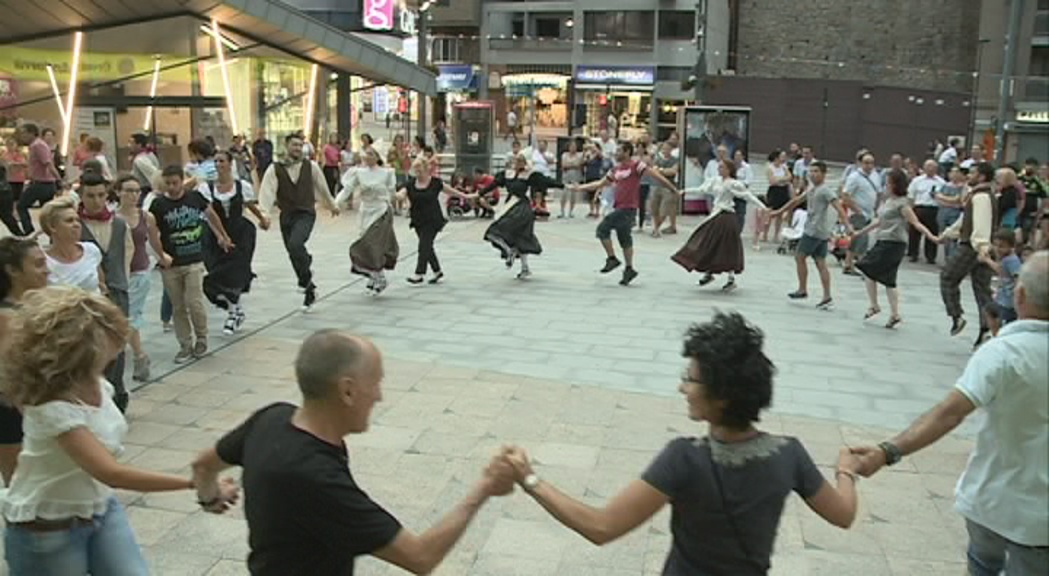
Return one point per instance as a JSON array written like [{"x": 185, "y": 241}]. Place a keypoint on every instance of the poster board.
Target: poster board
[
  {"x": 703, "y": 129},
  {"x": 472, "y": 122}
]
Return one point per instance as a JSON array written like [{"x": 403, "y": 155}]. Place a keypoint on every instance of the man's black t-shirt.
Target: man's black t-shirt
[
  {"x": 181, "y": 224},
  {"x": 306, "y": 515}
]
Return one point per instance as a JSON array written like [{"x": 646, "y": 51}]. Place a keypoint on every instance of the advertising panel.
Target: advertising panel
[
  {"x": 703, "y": 129},
  {"x": 473, "y": 135}
]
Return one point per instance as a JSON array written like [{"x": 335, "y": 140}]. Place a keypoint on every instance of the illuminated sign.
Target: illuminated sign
[
  {"x": 387, "y": 16},
  {"x": 616, "y": 75},
  {"x": 1033, "y": 116}
]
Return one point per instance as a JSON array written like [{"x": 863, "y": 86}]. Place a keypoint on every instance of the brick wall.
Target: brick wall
[{"x": 867, "y": 36}]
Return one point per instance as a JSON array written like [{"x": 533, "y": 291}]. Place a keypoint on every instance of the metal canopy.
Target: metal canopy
[{"x": 269, "y": 22}]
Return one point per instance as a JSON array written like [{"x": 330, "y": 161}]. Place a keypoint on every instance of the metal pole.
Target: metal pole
[
  {"x": 1008, "y": 67},
  {"x": 977, "y": 77},
  {"x": 423, "y": 58},
  {"x": 701, "y": 47}
]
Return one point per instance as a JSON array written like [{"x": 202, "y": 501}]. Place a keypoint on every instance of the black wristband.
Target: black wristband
[{"x": 892, "y": 453}]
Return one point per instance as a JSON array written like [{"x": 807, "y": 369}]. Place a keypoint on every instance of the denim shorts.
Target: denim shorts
[
  {"x": 106, "y": 545},
  {"x": 812, "y": 246},
  {"x": 621, "y": 221},
  {"x": 137, "y": 291}
]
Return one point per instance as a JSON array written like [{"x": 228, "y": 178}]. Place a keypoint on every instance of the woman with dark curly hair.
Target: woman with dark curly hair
[
  {"x": 881, "y": 263},
  {"x": 726, "y": 490}
]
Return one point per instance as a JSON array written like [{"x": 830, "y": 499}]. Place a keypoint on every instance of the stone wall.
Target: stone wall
[{"x": 919, "y": 44}]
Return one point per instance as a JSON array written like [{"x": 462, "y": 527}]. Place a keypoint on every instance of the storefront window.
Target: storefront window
[{"x": 117, "y": 65}]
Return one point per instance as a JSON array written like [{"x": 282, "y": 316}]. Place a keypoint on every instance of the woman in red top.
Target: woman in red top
[
  {"x": 16, "y": 167},
  {"x": 331, "y": 163}
]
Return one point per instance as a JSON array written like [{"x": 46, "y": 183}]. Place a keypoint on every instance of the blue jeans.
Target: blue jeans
[
  {"x": 106, "y": 546},
  {"x": 989, "y": 554},
  {"x": 944, "y": 218}
]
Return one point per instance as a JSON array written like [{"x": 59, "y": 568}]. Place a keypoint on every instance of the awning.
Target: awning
[{"x": 268, "y": 22}]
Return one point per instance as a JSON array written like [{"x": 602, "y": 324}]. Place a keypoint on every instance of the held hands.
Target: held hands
[
  {"x": 264, "y": 223},
  {"x": 226, "y": 244},
  {"x": 165, "y": 260},
  {"x": 870, "y": 459},
  {"x": 228, "y": 495},
  {"x": 498, "y": 478}
]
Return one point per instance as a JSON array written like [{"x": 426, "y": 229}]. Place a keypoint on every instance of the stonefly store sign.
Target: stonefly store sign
[{"x": 616, "y": 75}]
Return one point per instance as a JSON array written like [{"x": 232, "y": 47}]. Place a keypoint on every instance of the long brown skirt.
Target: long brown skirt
[
  {"x": 714, "y": 247},
  {"x": 377, "y": 249}
]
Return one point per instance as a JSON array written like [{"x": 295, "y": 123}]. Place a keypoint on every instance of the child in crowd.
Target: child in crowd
[
  {"x": 949, "y": 197},
  {"x": 485, "y": 203},
  {"x": 1007, "y": 267}
]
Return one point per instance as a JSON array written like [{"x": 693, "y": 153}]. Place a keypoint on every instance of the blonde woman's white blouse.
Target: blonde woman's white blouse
[{"x": 48, "y": 484}]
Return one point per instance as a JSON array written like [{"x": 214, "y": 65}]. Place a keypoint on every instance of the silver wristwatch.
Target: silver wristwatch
[{"x": 530, "y": 483}]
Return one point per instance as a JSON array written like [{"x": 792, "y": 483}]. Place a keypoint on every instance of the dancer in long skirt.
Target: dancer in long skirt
[
  {"x": 880, "y": 264},
  {"x": 376, "y": 249},
  {"x": 229, "y": 268},
  {"x": 715, "y": 246},
  {"x": 513, "y": 234}
]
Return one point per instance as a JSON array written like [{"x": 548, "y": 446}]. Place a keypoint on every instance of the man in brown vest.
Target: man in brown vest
[
  {"x": 974, "y": 230},
  {"x": 296, "y": 184}
]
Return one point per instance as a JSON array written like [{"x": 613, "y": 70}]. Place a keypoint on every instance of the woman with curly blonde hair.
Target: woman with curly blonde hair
[{"x": 62, "y": 517}]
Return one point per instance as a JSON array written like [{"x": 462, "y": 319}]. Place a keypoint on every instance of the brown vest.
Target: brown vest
[
  {"x": 295, "y": 196},
  {"x": 967, "y": 216}
]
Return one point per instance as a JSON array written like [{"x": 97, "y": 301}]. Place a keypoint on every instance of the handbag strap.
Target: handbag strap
[{"x": 716, "y": 471}]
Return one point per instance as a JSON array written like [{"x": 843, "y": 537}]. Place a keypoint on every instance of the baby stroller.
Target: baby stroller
[
  {"x": 458, "y": 208},
  {"x": 839, "y": 243},
  {"x": 792, "y": 233}
]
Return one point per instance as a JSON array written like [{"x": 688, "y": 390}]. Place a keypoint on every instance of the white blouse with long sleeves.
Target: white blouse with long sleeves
[
  {"x": 724, "y": 192},
  {"x": 376, "y": 186}
]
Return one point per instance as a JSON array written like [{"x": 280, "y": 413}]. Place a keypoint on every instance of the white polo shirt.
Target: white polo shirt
[{"x": 1005, "y": 486}]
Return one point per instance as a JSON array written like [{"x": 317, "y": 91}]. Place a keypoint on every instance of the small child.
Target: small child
[{"x": 1007, "y": 268}]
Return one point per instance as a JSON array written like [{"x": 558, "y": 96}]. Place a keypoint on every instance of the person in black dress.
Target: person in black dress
[
  {"x": 513, "y": 234},
  {"x": 423, "y": 192},
  {"x": 229, "y": 271}
]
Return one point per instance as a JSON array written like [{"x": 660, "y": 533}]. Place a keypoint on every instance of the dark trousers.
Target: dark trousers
[
  {"x": 115, "y": 370},
  {"x": 33, "y": 193},
  {"x": 965, "y": 263},
  {"x": 426, "y": 254},
  {"x": 927, "y": 216},
  {"x": 167, "y": 310},
  {"x": 7, "y": 210},
  {"x": 331, "y": 176},
  {"x": 741, "y": 212},
  {"x": 645, "y": 190},
  {"x": 295, "y": 229}
]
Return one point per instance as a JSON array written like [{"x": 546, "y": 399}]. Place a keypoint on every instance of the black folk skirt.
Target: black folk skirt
[
  {"x": 882, "y": 262},
  {"x": 515, "y": 230},
  {"x": 229, "y": 273}
]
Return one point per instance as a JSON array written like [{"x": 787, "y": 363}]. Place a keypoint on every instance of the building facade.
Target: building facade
[
  {"x": 1026, "y": 119},
  {"x": 577, "y": 67},
  {"x": 886, "y": 75}
]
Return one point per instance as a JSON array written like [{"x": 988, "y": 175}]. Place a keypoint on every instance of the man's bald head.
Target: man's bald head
[
  {"x": 329, "y": 355},
  {"x": 1034, "y": 285}
]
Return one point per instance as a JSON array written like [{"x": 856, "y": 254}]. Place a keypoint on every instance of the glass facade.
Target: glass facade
[{"x": 268, "y": 87}]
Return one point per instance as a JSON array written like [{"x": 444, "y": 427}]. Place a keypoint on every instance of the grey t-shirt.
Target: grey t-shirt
[
  {"x": 757, "y": 476},
  {"x": 664, "y": 163},
  {"x": 892, "y": 224},
  {"x": 821, "y": 216}
]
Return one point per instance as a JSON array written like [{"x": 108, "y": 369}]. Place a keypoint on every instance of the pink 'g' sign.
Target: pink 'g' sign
[{"x": 378, "y": 14}]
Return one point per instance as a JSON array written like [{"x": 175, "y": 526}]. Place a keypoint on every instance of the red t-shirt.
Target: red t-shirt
[
  {"x": 483, "y": 182},
  {"x": 626, "y": 177}
]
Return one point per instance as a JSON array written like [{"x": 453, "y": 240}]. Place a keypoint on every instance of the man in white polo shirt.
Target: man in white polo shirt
[
  {"x": 1004, "y": 491},
  {"x": 922, "y": 191}
]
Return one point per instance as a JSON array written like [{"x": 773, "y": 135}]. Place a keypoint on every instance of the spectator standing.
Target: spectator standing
[
  {"x": 262, "y": 152},
  {"x": 43, "y": 175},
  {"x": 860, "y": 196},
  {"x": 922, "y": 192}
]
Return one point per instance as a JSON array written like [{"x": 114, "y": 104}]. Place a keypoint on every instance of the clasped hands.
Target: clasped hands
[{"x": 510, "y": 466}]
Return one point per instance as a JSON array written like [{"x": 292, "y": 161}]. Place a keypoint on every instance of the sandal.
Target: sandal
[
  {"x": 893, "y": 321},
  {"x": 871, "y": 313}
]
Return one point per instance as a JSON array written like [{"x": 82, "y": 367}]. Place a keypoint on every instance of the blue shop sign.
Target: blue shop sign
[
  {"x": 616, "y": 75},
  {"x": 455, "y": 78}
]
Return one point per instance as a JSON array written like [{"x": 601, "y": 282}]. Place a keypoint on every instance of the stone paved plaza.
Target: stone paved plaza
[{"x": 580, "y": 371}]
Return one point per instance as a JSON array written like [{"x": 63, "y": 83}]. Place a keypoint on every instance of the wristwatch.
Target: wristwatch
[
  {"x": 530, "y": 483},
  {"x": 892, "y": 453}
]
